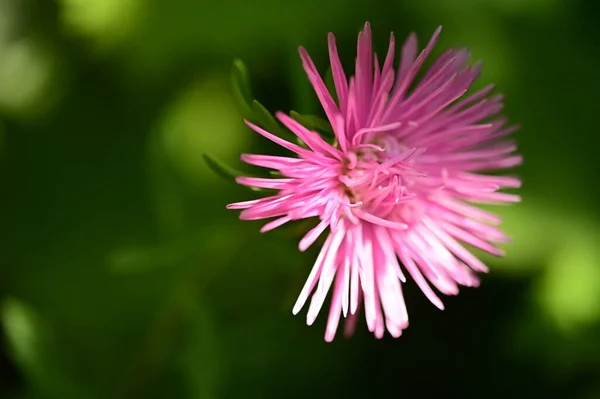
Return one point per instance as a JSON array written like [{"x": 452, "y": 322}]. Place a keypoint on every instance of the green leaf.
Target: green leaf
[
  {"x": 226, "y": 172},
  {"x": 241, "y": 86},
  {"x": 264, "y": 118},
  {"x": 302, "y": 143},
  {"x": 252, "y": 109},
  {"x": 312, "y": 122},
  {"x": 229, "y": 173}
]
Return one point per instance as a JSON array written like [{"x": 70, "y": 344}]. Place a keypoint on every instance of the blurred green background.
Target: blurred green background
[{"x": 123, "y": 276}]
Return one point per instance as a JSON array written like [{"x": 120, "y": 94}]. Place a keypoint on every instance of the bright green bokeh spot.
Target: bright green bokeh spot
[
  {"x": 10, "y": 18},
  {"x": 532, "y": 230},
  {"x": 33, "y": 346},
  {"x": 21, "y": 328},
  {"x": 204, "y": 119},
  {"x": 569, "y": 290},
  {"x": 27, "y": 77},
  {"x": 106, "y": 21}
]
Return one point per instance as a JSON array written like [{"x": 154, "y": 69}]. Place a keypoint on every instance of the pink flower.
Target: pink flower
[{"x": 396, "y": 188}]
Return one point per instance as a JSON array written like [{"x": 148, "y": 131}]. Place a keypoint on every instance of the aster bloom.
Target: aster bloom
[{"x": 396, "y": 189}]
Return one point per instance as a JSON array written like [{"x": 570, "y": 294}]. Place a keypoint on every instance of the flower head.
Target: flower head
[{"x": 396, "y": 189}]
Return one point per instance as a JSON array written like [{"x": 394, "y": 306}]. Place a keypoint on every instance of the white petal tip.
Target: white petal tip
[
  {"x": 302, "y": 246},
  {"x": 394, "y": 331},
  {"x": 310, "y": 319},
  {"x": 297, "y": 308}
]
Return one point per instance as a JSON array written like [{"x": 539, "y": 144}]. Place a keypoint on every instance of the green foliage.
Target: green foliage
[
  {"x": 240, "y": 82},
  {"x": 313, "y": 122},
  {"x": 226, "y": 172},
  {"x": 256, "y": 113},
  {"x": 251, "y": 109},
  {"x": 263, "y": 118},
  {"x": 123, "y": 276}
]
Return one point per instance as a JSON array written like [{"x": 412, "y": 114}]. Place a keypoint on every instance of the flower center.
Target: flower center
[{"x": 380, "y": 175}]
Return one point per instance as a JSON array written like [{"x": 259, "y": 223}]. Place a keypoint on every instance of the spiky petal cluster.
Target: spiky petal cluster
[{"x": 397, "y": 188}]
